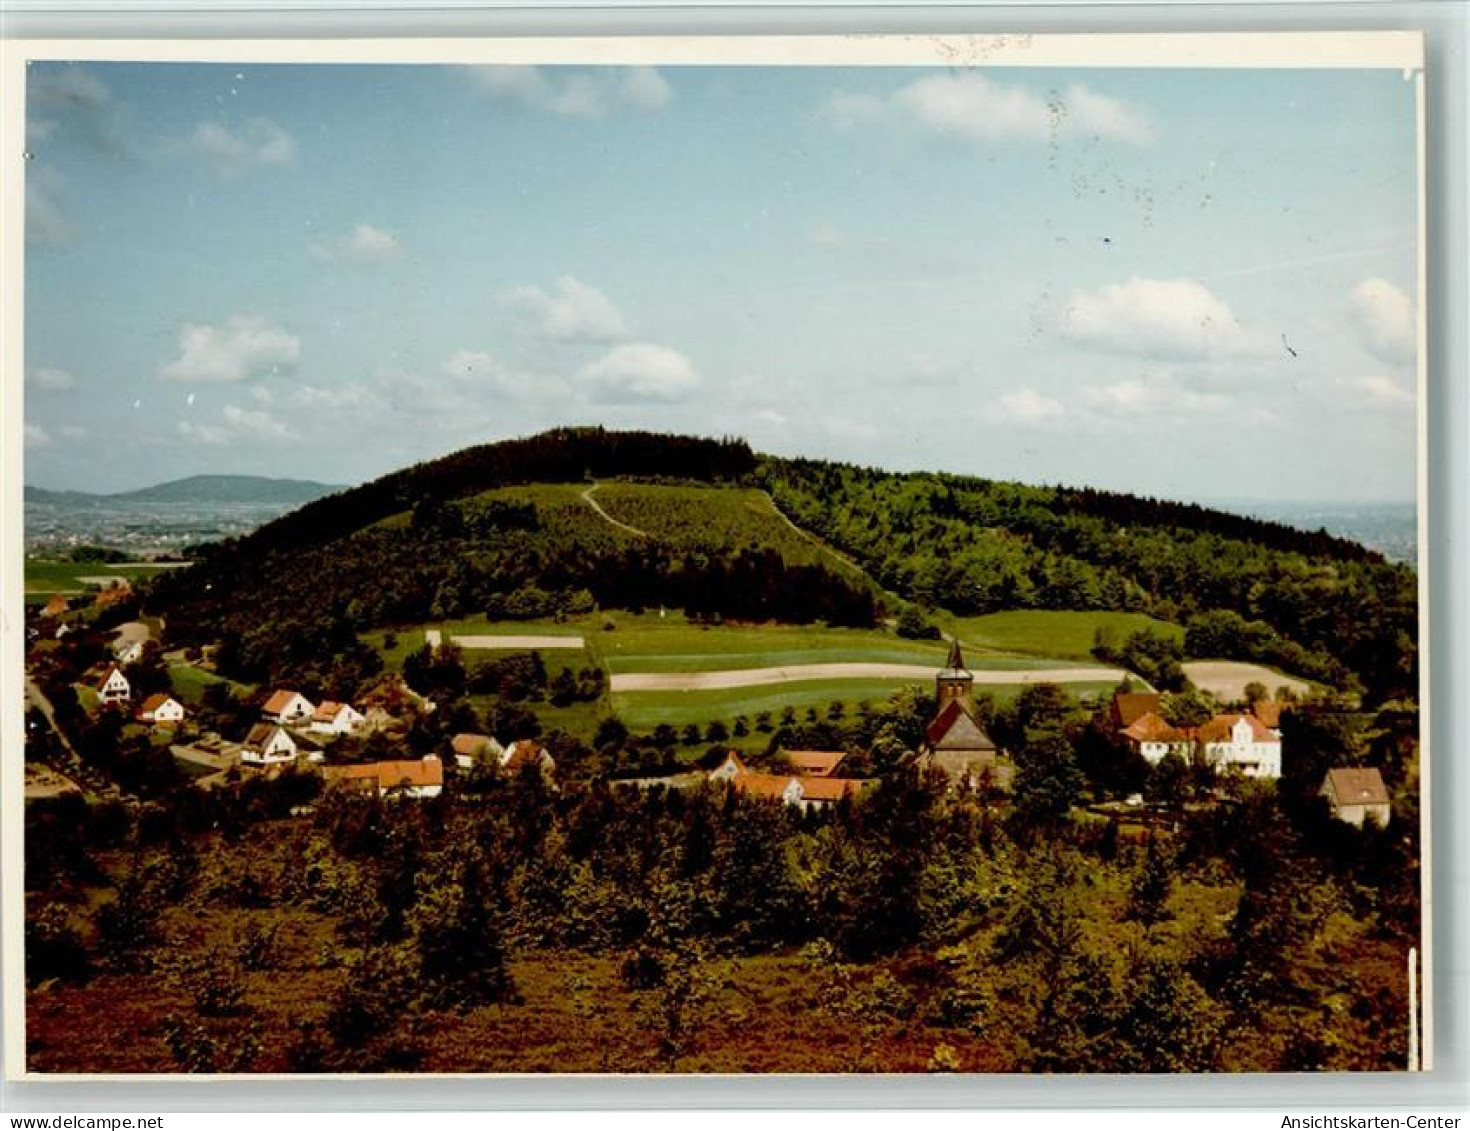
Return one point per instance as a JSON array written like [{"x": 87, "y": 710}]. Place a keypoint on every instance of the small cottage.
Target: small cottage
[
  {"x": 1357, "y": 794},
  {"x": 161, "y": 708}
]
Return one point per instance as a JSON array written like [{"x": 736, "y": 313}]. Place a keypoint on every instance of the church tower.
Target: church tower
[{"x": 953, "y": 682}]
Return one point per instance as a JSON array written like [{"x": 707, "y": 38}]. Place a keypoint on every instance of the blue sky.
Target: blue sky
[{"x": 1192, "y": 284}]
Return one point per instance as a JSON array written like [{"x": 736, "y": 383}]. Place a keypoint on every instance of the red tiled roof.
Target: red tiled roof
[
  {"x": 944, "y": 720},
  {"x": 1150, "y": 727},
  {"x": 828, "y": 789},
  {"x": 102, "y": 683},
  {"x": 279, "y": 701},
  {"x": 818, "y": 763},
  {"x": 155, "y": 701},
  {"x": 1218, "y": 729},
  {"x": 469, "y": 744},
  {"x": 525, "y": 753},
  {"x": 762, "y": 785},
  {"x": 1130, "y": 706},
  {"x": 325, "y": 713},
  {"x": 1358, "y": 786},
  {"x": 1269, "y": 711},
  {"x": 390, "y": 775}
]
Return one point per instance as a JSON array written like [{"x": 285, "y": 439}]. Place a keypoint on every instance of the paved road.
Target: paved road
[
  {"x": 74, "y": 767},
  {"x": 797, "y": 673},
  {"x": 503, "y": 642}
]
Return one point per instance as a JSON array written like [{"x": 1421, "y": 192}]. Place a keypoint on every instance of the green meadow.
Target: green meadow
[{"x": 1058, "y": 635}]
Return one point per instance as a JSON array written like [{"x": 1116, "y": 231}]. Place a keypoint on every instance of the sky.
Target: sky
[{"x": 1182, "y": 283}]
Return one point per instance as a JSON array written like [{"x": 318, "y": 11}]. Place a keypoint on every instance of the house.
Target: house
[
  {"x": 954, "y": 741},
  {"x": 114, "y": 594},
  {"x": 1152, "y": 736},
  {"x": 266, "y": 744},
  {"x": 1356, "y": 795},
  {"x": 1130, "y": 706},
  {"x": 161, "y": 708},
  {"x": 518, "y": 755},
  {"x": 730, "y": 768},
  {"x": 814, "y": 763},
  {"x": 468, "y": 747},
  {"x": 288, "y": 707},
  {"x": 1241, "y": 740},
  {"x": 127, "y": 651},
  {"x": 336, "y": 718},
  {"x": 114, "y": 688},
  {"x": 791, "y": 789},
  {"x": 56, "y": 606},
  {"x": 424, "y": 778}
]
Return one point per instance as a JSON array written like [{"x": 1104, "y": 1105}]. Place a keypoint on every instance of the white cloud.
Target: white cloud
[
  {"x": 646, "y": 89},
  {"x": 1024, "y": 406},
  {"x": 49, "y": 379},
  {"x": 573, "y": 312},
  {"x": 36, "y": 436},
  {"x": 366, "y": 245},
  {"x": 244, "y": 347},
  {"x": 1174, "y": 318},
  {"x": 971, "y": 106},
  {"x": 256, "y": 142},
  {"x": 1135, "y": 398},
  {"x": 73, "y": 431},
  {"x": 354, "y": 399},
  {"x": 1385, "y": 320},
  {"x": 237, "y": 425},
  {"x": 589, "y": 93},
  {"x": 825, "y": 235},
  {"x": 639, "y": 371},
  {"x": 1380, "y": 392}
]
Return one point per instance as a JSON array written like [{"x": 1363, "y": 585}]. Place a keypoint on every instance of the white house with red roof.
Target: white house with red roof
[
  {"x": 161, "y": 708},
  {"x": 730, "y": 768},
  {"x": 424, "y": 778},
  {"x": 336, "y": 718},
  {"x": 114, "y": 688},
  {"x": 267, "y": 744},
  {"x": 288, "y": 707},
  {"x": 1242, "y": 741}
]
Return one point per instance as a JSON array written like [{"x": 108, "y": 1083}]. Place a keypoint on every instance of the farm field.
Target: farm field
[
  {"x": 1226, "y": 679},
  {"x": 1064, "y": 635},
  {"x": 43, "y": 576}
]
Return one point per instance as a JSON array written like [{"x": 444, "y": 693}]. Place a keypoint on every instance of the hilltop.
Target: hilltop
[{"x": 575, "y": 519}]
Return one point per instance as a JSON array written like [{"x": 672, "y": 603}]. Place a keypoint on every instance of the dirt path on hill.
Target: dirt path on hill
[
  {"x": 595, "y": 505},
  {"x": 797, "y": 673},
  {"x": 813, "y": 539}
]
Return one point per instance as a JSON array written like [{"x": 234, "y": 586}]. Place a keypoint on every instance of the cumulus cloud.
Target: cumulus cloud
[
  {"x": 572, "y": 312},
  {"x": 1385, "y": 320},
  {"x": 255, "y": 143},
  {"x": 975, "y": 108},
  {"x": 1173, "y": 318},
  {"x": 237, "y": 425},
  {"x": 637, "y": 372},
  {"x": 355, "y": 399},
  {"x": 574, "y": 92},
  {"x": 49, "y": 379},
  {"x": 1159, "y": 396},
  {"x": 365, "y": 244},
  {"x": 242, "y": 348},
  {"x": 1024, "y": 406}
]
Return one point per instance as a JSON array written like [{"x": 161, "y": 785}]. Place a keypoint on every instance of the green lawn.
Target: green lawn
[
  {"x": 42, "y": 576},
  {"x": 189, "y": 684},
  {"x": 1064, "y": 635}
]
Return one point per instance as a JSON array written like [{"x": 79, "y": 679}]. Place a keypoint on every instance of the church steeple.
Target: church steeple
[{"x": 953, "y": 681}]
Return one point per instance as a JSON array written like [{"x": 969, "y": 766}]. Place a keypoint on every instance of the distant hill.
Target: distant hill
[{"x": 249, "y": 489}]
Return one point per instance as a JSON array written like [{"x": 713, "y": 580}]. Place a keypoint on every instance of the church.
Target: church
[{"x": 955, "y": 741}]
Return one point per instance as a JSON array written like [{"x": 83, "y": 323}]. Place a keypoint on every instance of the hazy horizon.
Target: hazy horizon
[{"x": 1187, "y": 284}]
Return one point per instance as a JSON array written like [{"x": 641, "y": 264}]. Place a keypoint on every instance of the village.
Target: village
[{"x": 337, "y": 740}]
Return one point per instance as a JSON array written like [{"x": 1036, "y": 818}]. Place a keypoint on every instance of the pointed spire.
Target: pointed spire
[{"x": 956, "y": 661}]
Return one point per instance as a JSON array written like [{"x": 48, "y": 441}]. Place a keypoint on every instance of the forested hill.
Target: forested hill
[{"x": 472, "y": 532}]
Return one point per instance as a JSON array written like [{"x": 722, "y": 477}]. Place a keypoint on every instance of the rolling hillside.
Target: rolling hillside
[{"x": 560, "y": 524}]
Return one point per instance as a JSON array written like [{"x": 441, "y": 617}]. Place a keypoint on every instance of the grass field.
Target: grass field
[
  {"x": 189, "y": 683},
  {"x": 1060, "y": 635},
  {"x": 42, "y": 576}
]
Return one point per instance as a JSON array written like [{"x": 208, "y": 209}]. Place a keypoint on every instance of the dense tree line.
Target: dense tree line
[{"x": 1330, "y": 609}]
